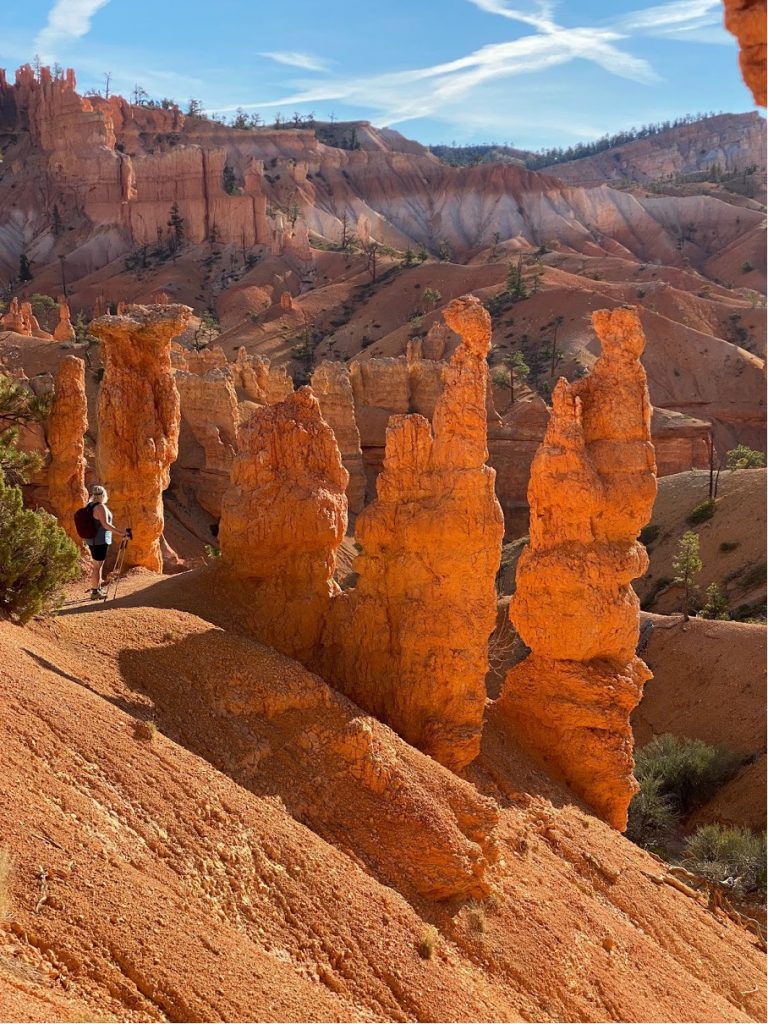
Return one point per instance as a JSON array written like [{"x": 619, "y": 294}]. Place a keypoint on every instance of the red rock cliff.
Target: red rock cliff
[
  {"x": 592, "y": 488},
  {"x": 138, "y": 417}
]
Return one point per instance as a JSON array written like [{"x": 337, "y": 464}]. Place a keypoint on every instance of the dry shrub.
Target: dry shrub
[
  {"x": 6, "y": 874},
  {"x": 425, "y": 947}
]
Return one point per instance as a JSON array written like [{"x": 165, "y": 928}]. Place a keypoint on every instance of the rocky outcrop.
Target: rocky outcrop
[
  {"x": 333, "y": 390},
  {"x": 409, "y": 643},
  {"x": 14, "y": 320},
  {"x": 138, "y": 420},
  {"x": 64, "y": 331},
  {"x": 592, "y": 488},
  {"x": 746, "y": 20},
  {"x": 67, "y": 424},
  {"x": 283, "y": 518},
  {"x": 209, "y": 412},
  {"x": 258, "y": 380}
]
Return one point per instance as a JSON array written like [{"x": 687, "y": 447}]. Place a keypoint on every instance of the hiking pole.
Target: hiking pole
[{"x": 119, "y": 561}]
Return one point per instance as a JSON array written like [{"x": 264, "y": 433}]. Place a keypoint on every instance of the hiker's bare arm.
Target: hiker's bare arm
[{"x": 100, "y": 516}]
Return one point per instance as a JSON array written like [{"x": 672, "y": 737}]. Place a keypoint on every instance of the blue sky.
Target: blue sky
[{"x": 529, "y": 72}]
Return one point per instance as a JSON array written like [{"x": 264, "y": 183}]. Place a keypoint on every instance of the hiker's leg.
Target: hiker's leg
[{"x": 96, "y": 574}]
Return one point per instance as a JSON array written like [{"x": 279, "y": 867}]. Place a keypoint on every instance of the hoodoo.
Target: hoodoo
[
  {"x": 67, "y": 425},
  {"x": 592, "y": 489},
  {"x": 333, "y": 388},
  {"x": 283, "y": 518},
  {"x": 64, "y": 331},
  {"x": 138, "y": 417},
  {"x": 409, "y": 643}
]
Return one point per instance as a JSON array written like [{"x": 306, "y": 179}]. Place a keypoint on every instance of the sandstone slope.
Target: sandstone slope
[{"x": 150, "y": 885}]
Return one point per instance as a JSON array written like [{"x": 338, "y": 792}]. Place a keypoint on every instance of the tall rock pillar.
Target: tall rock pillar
[
  {"x": 67, "y": 425},
  {"x": 283, "y": 518},
  {"x": 409, "y": 643},
  {"x": 592, "y": 488},
  {"x": 138, "y": 416}
]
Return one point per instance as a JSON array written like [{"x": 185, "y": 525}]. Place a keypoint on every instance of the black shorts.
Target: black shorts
[{"x": 99, "y": 551}]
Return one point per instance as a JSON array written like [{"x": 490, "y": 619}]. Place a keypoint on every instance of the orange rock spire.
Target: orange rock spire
[
  {"x": 409, "y": 643},
  {"x": 592, "y": 488},
  {"x": 283, "y": 518},
  {"x": 64, "y": 331},
  {"x": 67, "y": 425},
  {"x": 138, "y": 418},
  {"x": 746, "y": 20}
]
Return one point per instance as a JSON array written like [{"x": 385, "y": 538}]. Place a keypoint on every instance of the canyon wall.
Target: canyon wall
[
  {"x": 333, "y": 389},
  {"x": 67, "y": 425},
  {"x": 592, "y": 489},
  {"x": 138, "y": 421}
]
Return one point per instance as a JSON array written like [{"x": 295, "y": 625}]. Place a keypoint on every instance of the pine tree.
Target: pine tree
[{"x": 686, "y": 566}]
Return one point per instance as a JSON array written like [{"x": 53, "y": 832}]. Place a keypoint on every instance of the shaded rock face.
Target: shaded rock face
[
  {"x": 746, "y": 20},
  {"x": 138, "y": 419},
  {"x": 216, "y": 396},
  {"x": 209, "y": 411},
  {"x": 67, "y": 425},
  {"x": 592, "y": 488},
  {"x": 333, "y": 389},
  {"x": 409, "y": 643},
  {"x": 283, "y": 518}
]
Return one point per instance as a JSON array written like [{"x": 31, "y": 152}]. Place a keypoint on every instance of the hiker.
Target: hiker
[{"x": 102, "y": 538}]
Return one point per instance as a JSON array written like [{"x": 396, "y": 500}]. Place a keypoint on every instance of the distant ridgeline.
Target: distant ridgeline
[{"x": 466, "y": 156}]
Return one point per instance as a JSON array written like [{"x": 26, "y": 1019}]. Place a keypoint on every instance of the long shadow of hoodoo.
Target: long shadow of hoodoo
[{"x": 280, "y": 732}]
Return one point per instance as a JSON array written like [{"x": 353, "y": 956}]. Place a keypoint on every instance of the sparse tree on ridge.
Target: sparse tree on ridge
[{"x": 686, "y": 566}]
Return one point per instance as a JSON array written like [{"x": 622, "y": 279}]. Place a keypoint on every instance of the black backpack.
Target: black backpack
[{"x": 86, "y": 524}]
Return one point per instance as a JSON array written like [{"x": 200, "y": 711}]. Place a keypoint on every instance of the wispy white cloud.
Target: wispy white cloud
[
  {"x": 67, "y": 20},
  {"x": 423, "y": 92},
  {"x": 297, "y": 60},
  {"x": 679, "y": 15}
]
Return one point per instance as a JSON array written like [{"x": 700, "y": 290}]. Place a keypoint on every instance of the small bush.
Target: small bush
[
  {"x": 729, "y": 545},
  {"x": 36, "y": 557},
  {"x": 746, "y": 266},
  {"x": 702, "y": 512},
  {"x": 425, "y": 947},
  {"x": 144, "y": 730},
  {"x": 743, "y": 457},
  {"x": 717, "y": 604},
  {"x": 650, "y": 533},
  {"x": 733, "y": 856},
  {"x": 688, "y": 771},
  {"x": 476, "y": 917},
  {"x": 6, "y": 872},
  {"x": 501, "y": 378},
  {"x": 652, "y": 814}
]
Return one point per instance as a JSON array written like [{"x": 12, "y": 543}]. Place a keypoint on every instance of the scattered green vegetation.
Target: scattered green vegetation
[
  {"x": 676, "y": 774},
  {"x": 687, "y": 565},
  {"x": 650, "y": 533},
  {"x": 701, "y": 513},
  {"x": 735, "y": 857},
  {"x": 37, "y": 558},
  {"x": 743, "y": 457},
  {"x": 716, "y": 606}
]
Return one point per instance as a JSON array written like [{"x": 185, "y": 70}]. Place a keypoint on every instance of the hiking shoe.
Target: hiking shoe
[{"x": 98, "y": 593}]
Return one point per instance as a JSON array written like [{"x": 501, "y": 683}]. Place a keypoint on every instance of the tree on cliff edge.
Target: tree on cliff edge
[{"x": 686, "y": 566}]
